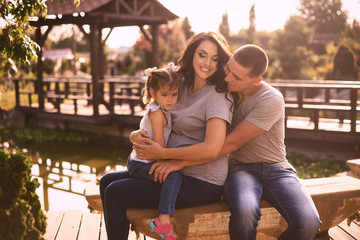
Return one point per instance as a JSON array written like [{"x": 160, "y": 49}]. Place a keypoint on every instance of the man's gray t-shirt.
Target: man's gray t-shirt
[
  {"x": 189, "y": 116},
  {"x": 266, "y": 110}
]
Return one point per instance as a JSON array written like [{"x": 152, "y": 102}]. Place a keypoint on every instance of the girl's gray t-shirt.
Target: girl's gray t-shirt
[{"x": 189, "y": 117}]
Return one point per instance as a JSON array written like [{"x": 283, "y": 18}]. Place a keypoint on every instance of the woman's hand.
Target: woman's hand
[
  {"x": 148, "y": 149},
  {"x": 162, "y": 169}
]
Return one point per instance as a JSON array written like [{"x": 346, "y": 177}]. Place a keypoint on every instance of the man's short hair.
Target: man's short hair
[{"x": 252, "y": 57}]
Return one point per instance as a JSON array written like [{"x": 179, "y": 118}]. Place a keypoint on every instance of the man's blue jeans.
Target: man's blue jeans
[
  {"x": 169, "y": 190},
  {"x": 248, "y": 183},
  {"x": 119, "y": 191}
]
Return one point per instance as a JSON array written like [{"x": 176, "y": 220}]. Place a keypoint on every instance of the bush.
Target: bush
[
  {"x": 317, "y": 167},
  {"x": 21, "y": 216}
]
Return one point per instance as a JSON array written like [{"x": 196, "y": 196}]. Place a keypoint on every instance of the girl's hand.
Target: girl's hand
[
  {"x": 162, "y": 169},
  {"x": 138, "y": 136},
  {"x": 148, "y": 149}
]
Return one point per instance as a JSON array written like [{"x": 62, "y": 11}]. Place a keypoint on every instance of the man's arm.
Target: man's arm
[{"x": 241, "y": 134}]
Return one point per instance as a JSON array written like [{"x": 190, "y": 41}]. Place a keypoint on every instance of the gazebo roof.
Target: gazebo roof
[{"x": 107, "y": 13}]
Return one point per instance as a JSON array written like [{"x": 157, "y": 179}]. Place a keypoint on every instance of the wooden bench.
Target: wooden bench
[
  {"x": 57, "y": 99},
  {"x": 354, "y": 166},
  {"x": 131, "y": 100},
  {"x": 336, "y": 199}
]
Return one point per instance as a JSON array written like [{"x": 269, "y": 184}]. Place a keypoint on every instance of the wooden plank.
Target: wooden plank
[
  {"x": 337, "y": 233},
  {"x": 90, "y": 226},
  {"x": 53, "y": 219},
  {"x": 333, "y": 185},
  {"x": 352, "y": 230},
  {"x": 354, "y": 166},
  {"x": 69, "y": 228}
]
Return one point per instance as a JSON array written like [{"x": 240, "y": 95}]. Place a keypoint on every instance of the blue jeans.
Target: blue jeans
[
  {"x": 169, "y": 190},
  {"x": 119, "y": 191},
  {"x": 248, "y": 183}
]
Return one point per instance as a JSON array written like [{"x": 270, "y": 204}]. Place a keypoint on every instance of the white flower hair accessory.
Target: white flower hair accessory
[
  {"x": 149, "y": 71},
  {"x": 172, "y": 66}
]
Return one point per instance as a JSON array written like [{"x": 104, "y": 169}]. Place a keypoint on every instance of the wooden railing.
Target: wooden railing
[
  {"x": 124, "y": 90},
  {"x": 329, "y": 100},
  {"x": 113, "y": 91},
  {"x": 336, "y": 101}
]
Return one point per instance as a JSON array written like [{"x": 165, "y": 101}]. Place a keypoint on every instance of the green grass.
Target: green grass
[
  {"x": 45, "y": 136},
  {"x": 7, "y": 100},
  {"x": 317, "y": 167}
]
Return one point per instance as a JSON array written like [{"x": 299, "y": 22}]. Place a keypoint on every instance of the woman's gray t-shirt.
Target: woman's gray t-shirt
[{"x": 189, "y": 116}]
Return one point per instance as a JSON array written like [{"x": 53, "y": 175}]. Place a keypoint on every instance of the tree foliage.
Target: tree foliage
[
  {"x": 187, "y": 28},
  {"x": 15, "y": 43},
  {"x": 352, "y": 40},
  {"x": 292, "y": 48},
  {"x": 251, "y": 30},
  {"x": 344, "y": 64},
  {"x": 171, "y": 42},
  {"x": 224, "y": 27},
  {"x": 21, "y": 216},
  {"x": 326, "y": 16}
]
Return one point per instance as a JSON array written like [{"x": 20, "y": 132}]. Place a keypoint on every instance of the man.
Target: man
[{"x": 258, "y": 165}]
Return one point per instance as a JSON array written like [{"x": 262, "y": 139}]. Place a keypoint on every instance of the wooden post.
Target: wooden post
[
  {"x": 327, "y": 95},
  {"x": 94, "y": 59},
  {"x": 112, "y": 101},
  {"x": 300, "y": 96},
  {"x": 101, "y": 63},
  {"x": 39, "y": 70},
  {"x": 155, "y": 45},
  {"x": 353, "y": 113},
  {"x": 17, "y": 92}
]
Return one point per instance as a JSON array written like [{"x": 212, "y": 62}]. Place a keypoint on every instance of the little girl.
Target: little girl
[{"x": 160, "y": 95}]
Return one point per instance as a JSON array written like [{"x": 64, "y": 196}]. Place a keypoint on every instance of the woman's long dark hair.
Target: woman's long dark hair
[{"x": 185, "y": 62}]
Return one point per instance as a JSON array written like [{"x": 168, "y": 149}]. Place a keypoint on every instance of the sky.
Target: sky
[{"x": 206, "y": 15}]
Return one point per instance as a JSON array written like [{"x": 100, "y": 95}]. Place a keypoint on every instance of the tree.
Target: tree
[
  {"x": 21, "y": 215},
  {"x": 291, "y": 47},
  {"x": 251, "y": 30},
  {"x": 171, "y": 43},
  {"x": 15, "y": 43},
  {"x": 187, "y": 28},
  {"x": 344, "y": 64},
  {"x": 224, "y": 28},
  {"x": 326, "y": 16},
  {"x": 352, "y": 40}
]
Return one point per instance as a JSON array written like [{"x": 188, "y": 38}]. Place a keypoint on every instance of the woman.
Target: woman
[{"x": 199, "y": 118}]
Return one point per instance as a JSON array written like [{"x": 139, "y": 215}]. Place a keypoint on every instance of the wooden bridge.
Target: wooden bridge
[{"x": 318, "y": 110}]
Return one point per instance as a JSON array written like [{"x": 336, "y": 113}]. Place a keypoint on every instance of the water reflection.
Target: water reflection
[{"x": 64, "y": 169}]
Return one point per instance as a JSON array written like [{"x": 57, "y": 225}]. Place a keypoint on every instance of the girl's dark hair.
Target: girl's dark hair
[
  {"x": 185, "y": 62},
  {"x": 163, "y": 77}
]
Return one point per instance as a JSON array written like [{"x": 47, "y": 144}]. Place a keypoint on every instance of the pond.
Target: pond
[{"x": 64, "y": 169}]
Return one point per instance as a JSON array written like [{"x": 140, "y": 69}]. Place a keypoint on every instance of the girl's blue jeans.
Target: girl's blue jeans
[
  {"x": 169, "y": 190},
  {"x": 248, "y": 183},
  {"x": 119, "y": 191}
]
